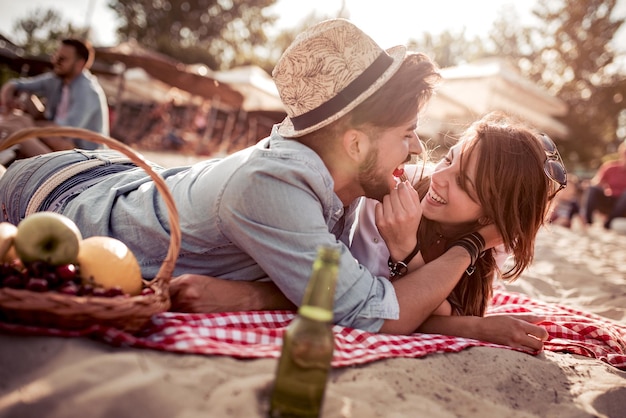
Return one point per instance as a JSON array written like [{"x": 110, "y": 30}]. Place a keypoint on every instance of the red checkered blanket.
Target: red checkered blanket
[{"x": 258, "y": 334}]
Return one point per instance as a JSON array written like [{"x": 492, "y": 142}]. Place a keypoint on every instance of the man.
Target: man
[
  {"x": 261, "y": 213},
  {"x": 71, "y": 94},
  {"x": 608, "y": 189}
]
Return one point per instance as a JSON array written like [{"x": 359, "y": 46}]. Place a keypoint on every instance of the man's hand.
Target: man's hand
[
  {"x": 7, "y": 98},
  {"x": 491, "y": 236},
  {"x": 397, "y": 219},
  {"x": 206, "y": 294}
]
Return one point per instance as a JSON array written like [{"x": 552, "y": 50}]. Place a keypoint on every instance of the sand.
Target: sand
[{"x": 77, "y": 377}]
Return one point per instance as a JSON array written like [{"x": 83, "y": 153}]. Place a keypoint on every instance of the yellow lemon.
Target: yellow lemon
[
  {"x": 7, "y": 235},
  {"x": 10, "y": 255},
  {"x": 108, "y": 262}
]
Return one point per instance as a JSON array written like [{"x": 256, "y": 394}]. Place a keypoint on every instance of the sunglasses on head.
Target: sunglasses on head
[{"x": 553, "y": 166}]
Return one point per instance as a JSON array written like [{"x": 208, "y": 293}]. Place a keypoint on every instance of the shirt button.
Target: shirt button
[{"x": 375, "y": 240}]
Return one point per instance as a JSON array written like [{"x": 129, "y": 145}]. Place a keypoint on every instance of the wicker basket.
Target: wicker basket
[{"x": 53, "y": 309}]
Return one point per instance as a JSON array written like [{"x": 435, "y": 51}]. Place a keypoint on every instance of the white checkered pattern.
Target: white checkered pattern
[{"x": 258, "y": 334}]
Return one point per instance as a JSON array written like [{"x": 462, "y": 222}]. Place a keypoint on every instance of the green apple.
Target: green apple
[{"x": 49, "y": 237}]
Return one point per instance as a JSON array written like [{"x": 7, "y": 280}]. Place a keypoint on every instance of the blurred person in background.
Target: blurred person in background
[
  {"x": 567, "y": 204},
  {"x": 608, "y": 189},
  {"x": 71, "y": 95}
]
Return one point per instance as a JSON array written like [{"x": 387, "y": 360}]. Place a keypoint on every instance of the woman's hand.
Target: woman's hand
[
  {"x": 206, "y": 294},
  {"x": 397, "y": 219},
  {"x": 517, "y": 331}
]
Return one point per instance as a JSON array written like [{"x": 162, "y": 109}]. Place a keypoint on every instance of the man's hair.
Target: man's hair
[
  {"x": 402, "y": 97},
  {"x": 83, "y": 49},
  {"x": 396, "y": 102}
]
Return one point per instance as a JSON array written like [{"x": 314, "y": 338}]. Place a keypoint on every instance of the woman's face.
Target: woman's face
[{"x": 451, "y": 199}]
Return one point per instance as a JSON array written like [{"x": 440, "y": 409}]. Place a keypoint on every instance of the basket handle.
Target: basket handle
[{"x": 167, "y": 267}]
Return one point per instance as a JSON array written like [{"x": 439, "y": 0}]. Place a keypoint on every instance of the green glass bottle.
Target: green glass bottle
[{"x": 308, "y": 345}]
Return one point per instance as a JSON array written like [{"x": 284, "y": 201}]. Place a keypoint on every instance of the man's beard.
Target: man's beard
[
  {"x": 61, "y": 73},
  {"x": 373, "y": 183}
]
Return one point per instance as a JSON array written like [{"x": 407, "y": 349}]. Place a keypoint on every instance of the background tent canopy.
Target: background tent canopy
[
  {"x": 471, "y": 90},
  {"x": 170, "y": 71},
  {"x": 256, "y": 86}
]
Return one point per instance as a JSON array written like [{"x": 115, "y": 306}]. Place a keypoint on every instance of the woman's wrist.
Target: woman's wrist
[{"x": 474, "y": 244}]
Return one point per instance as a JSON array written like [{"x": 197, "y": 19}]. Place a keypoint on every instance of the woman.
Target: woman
[{"x": 499, "y": 173}]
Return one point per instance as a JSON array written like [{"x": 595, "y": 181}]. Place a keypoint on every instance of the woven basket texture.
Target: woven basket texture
[{"x": 57, "y": 310}]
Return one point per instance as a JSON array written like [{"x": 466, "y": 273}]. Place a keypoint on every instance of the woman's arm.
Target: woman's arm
[
  {"x": 421, "y": 292},
  {"x": 445, "y": 309},
  {"x": 517, "y": 331}
]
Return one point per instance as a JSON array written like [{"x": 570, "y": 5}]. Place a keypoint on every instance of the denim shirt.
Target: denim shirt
[
  {"x": 258, "y": 213},
  {"x": 88, "y": 104}
]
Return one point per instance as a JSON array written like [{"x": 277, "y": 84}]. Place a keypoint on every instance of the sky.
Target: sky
[{"x": 395, "y": 23}]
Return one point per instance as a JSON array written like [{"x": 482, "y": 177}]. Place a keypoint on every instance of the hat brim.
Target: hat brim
[{"x": 397, "y": 53}]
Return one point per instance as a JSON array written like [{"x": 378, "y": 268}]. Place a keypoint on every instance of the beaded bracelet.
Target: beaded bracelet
[
  {"x": 474, "y": 244},
  {"x": 401, "y": 267}
]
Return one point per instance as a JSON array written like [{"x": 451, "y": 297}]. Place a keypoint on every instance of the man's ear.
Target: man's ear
[{"x": 356, "y": 144}]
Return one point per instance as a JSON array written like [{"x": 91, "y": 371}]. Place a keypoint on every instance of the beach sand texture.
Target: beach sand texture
[{"x": 77, "y": 377}]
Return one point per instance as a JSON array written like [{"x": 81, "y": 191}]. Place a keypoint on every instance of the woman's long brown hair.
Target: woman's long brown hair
[{"x": 514, "y": 193}]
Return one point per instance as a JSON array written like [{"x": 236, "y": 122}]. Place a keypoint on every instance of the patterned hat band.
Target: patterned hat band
[{"x": 345, "y": 96}]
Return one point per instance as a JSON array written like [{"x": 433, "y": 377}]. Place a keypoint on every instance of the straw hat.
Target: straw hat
[{"x": 327, "y": 71}]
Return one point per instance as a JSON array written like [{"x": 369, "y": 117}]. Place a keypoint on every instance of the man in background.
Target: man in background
[{"x": 71, "y": 95}]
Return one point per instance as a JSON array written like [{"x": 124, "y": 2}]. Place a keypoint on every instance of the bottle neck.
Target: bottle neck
[{"x": 319, "y": 298}]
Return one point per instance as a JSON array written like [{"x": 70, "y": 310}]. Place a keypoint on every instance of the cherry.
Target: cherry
[
  {"x": 69, "y": 288},
  {"x": 52, "y": 279},
  {"x": 37, "y": 284},
  {"x": 13, "y": 281},
  {"x": 114, "y": 291},
  {"x": 99, "y": 291},
  {"x": 147, "y": 291},
  {"x": 6, "y": 270},
  {"x": 66, "y": 272},
  {"x": 38, "y": 268},
  {"x": 85, "y": 290}
]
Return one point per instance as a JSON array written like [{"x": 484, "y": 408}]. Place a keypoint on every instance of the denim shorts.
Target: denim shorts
[{"x": 50, "y": 181}]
